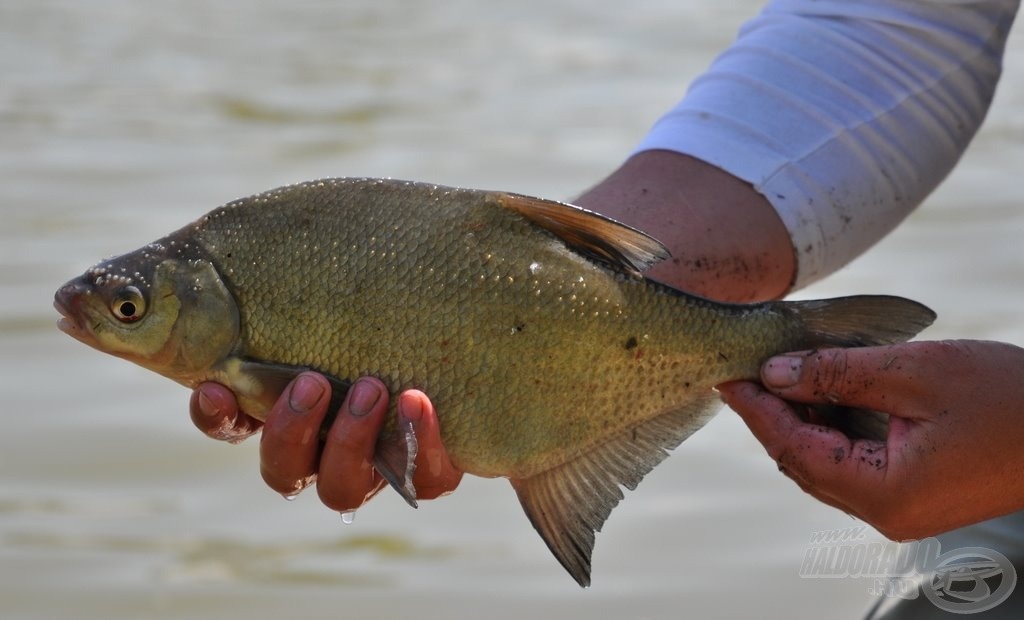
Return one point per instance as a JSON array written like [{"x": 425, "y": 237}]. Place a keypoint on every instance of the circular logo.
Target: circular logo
[{"x": 970, "y": 580}]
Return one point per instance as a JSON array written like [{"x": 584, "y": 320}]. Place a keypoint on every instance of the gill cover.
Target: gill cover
[{"x": 206, "y": 329}]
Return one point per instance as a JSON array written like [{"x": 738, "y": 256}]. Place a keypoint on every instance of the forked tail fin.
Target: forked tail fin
[{"x": 861, "y": 320}]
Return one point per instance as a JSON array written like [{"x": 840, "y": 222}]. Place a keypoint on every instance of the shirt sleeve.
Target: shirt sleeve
[{"x": 844, "y": 115}]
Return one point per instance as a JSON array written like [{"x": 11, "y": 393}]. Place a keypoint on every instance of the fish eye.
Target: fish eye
[{"x": 128, "y": 304}]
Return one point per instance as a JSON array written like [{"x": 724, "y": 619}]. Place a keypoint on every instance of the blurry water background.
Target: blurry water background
[{"x": 122, "y": 120}]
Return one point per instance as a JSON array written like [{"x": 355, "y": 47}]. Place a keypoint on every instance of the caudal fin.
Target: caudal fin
[
  {"x": 862, "y": 320},
  {"x": 859, "y": 321}
]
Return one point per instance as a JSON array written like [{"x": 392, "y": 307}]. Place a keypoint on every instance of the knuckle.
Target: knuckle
[
  {"x": 830, "y": 378},
  {"x": 955, "y": 348},
  {"x": 778, "y": 452}
]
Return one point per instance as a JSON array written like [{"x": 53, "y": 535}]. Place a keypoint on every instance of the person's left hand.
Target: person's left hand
[
  {"x": 291, "y": 454},
  {"x": 955, "y": 450}
]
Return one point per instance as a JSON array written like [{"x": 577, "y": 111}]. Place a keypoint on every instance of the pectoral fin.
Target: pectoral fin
[
  {"x": 569, "y": 503},
  {"x": 268, "y": 381},
  {"x": 395, "y": 459}
]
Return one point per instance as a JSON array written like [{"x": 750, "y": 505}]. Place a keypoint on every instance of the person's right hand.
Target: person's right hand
[{"x": 291, "y": 454}]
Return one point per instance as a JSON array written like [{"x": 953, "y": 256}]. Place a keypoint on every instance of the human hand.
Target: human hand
[
  {"x": 292, "y": 456},
  {"x": 954, "y": 451}
]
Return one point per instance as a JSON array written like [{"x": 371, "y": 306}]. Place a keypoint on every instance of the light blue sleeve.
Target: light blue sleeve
[{"x": 844, "y": 114}]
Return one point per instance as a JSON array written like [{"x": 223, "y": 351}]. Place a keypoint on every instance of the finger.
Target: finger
[
  {"x": 347, "y": 479},
  {"x": 215, "y": 412},
  {"x": 823, "y": 461},
  {"x": 876, "y": 378},
  {"x": 435, "y": 475},
  {"x": 291, "y": 444}
]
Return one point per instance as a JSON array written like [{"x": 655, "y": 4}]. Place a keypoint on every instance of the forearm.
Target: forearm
[{"x": 726, "y": 240}]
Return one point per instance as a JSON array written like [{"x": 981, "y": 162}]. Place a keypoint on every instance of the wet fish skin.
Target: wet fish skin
[{"x": 549, "y": 359}]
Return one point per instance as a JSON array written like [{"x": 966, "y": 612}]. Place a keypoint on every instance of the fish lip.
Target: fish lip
[
  {"x": 65, "y": 323},
  {"x": 65, "y": 301}
]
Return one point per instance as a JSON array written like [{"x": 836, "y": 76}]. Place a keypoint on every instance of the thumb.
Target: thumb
[{"x": 874, "y": 378}]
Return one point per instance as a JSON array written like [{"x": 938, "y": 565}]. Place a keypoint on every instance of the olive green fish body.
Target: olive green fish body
[
  {"x": 549, "y": 359},
  {"x": 530, "y": 351}
]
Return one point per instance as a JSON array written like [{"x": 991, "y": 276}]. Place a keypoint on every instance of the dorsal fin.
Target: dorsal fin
[
  {"x": 614, "y": 244},
  {"x": 569, "y": 503}
]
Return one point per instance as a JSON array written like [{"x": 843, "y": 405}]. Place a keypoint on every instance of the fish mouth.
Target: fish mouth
[
  {"x": 66, "y": 301},
  {"x": 65, "y": 323}
]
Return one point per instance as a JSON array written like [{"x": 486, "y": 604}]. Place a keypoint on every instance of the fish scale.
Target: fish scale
[{"x": 550, "y": 360}]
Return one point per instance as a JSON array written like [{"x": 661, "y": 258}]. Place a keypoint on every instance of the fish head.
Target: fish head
[{"x": 158, "y": 307}]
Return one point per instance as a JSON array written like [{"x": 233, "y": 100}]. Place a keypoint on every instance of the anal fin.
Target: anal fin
[{"x": 569, "y": 503}]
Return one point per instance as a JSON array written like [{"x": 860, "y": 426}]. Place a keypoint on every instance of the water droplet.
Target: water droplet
[
  {"x": 534, "y": 268},
  {"x": 348, "y": 517},
  {"x": 289, "y": 496}
]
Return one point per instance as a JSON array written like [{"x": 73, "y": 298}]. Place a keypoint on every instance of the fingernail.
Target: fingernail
[
  {"x": 782, "y": 371},
  {"x": 207, "y": 406},
  {"x": 306, "y": 393},
  {"x": 365, "y": 395},
  {"x": 411, "y": 408}
]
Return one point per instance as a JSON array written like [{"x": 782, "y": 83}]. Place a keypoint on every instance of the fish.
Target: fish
[{"x": 551, "y": 360}]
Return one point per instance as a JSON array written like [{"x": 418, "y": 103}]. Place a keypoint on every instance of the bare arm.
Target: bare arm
[{"x": 727, "y": 241}]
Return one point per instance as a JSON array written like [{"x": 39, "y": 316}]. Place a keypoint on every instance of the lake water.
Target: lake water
[{"x": 121, "y": 120}]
